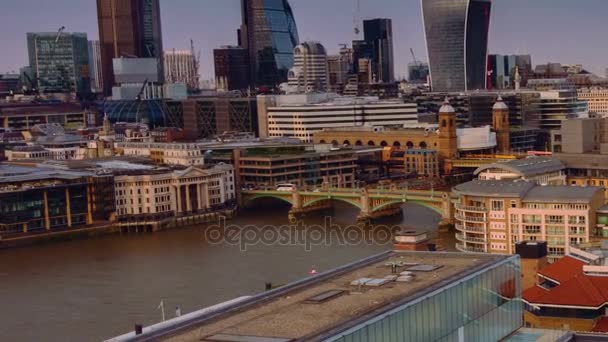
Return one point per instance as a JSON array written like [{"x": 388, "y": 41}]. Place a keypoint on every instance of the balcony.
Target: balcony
[
  {"x": 463, "y": 238},
  {"x": 470, "y": 229},
  {"x": 471, "y": 209},
  {"x": 470, "y": 218},
  {"x": 467, "y": 249}
]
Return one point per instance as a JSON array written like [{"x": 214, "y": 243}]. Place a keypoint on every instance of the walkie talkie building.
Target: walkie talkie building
[{"x": 457, "y": 43}]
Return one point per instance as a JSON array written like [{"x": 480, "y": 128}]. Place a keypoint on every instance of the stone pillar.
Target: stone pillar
[
  {"x": 68, "y": 209},
  {"x": 296, "y": 200},
  {"x": 222, "y": 190},
  {"x": 207, "y": 198},
  {"x": 178, "y": 194},
  {"x": 188, "y": 201},
  {"x": 47, "y": 219},
  {"x": 89, "y": 219},
  {"x": 199, "y": 196}
]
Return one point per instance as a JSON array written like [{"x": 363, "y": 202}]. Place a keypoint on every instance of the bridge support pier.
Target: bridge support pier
[
  {"x": 297, "y": 213},
  {"x": 366, "y": 217}
]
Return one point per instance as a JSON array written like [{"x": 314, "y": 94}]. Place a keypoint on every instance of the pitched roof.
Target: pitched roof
[
  {"x": 498, "y": 188},
  {"x": 563, "y": 269},
  {"x": 575, "y": 287},
  {"x": 527, "y": 167}
]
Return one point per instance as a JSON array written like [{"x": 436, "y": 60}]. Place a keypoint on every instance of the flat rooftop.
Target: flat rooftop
[{"x": 332, "y": 302}]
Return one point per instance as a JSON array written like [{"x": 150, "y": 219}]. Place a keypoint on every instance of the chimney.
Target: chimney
[
  {"x": 533, "y": 258},
  {"x": 410, "y": 240}
]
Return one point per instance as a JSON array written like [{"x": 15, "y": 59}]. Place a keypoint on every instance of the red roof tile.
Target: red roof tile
[{"x": 563, "y": 269}]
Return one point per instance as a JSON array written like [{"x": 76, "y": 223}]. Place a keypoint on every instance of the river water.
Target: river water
[{"x": 88, "y": 290}]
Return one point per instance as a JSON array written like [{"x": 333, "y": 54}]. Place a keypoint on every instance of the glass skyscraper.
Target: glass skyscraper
[
  {"x": 457, "y": 43},
  {"x": 128, "y": 28},
  {"x": 378, "y": 34},
  {"x": 270, "y": 34},
  {"x": 60, "y": 62}
]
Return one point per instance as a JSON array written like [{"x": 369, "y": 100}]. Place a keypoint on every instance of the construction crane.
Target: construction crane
[
  {"x": 418, "y": 64},
  {"x": 357, "y": 17}
]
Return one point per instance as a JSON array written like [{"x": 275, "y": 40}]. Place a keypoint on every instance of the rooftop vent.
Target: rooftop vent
[{"x": 324, "y": 296}]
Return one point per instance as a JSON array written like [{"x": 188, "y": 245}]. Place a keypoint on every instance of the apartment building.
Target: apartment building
[
  {"x": 159, "y": 193},
  {"x": 597, "y": 98},
  {"x": 492, "y": 216}
]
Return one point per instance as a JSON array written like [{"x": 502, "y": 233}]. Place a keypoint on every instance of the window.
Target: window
[{"x": 497, "y": 205}]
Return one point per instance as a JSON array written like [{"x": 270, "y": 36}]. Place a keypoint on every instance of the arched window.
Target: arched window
[
  {"x": 322, "y": 142},
  {"x": 346, "y": 143},
  {"x": 383, "y": 143},
  {"x": 397, "y": 144},
  {"x": 371, "y": 143},
  {"x": 423, "y": 144},
  {"x": 444, "y": 123},
  {"x": 334, "y": 142},
  {"x": 359, "y": 143},
  {"x": 409, "y": 145}
]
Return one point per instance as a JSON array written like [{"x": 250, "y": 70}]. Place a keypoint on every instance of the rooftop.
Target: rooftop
[
  {"x": 561, "y": 194},
  {"x": 332, "y": 302},
  {"x": 526, "y": 167},
  {"x": 495, "y": 188}
]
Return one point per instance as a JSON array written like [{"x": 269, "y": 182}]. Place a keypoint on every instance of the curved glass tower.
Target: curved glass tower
[
  {"x": 457, "y": 43},
  {"x": 270, "y": 34}
]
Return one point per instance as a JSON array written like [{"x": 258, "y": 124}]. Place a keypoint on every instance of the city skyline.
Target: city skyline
[{"x": 512, "y": 30}]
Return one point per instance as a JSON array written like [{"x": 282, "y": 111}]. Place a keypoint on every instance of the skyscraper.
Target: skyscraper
[
  {"x": 128, "y": 28},
  {"x": 457, "y": 43},
  {"x": 378, "y": 33},
  {"x": 270, "y": 34},
  {"x": 59, "y": 61},
  {"x": 309, "y": 72},
  {"x": 95, "y": 66},
  {"x": 231, "y": 68},
  {"x": 181, "y": 66}
]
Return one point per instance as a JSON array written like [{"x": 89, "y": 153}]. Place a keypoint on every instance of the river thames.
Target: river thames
[{"x": 89, "y": 290}]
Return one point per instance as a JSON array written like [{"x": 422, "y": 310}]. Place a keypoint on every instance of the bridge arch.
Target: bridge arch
[
  {"x": 312, "y": 202},
  {"x": 260, "y": 196},
  {"x": 421, "y": 203}
]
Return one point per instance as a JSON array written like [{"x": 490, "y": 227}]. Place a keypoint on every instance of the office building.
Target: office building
[
  {"x": 260, "y": 168},
  {"x": 597, "y": 99},
  {"x": 418, "y": 72},
  {"x": 184, "y": 154},
  {"x": 96, "y": 74},
  {"x": 492, "y": 216},
  {"x": 136, "y": 79},
  {"x": 129, "y": 28},
  {"x": 309, "y": 73},
  {"x": 416, "y": 161},
  {"x": 37, "y": 199},
  {"x": 378, "y": 33},
  {"x": 9, "y": 84},
  {"x": 231, "y": 68},
  {"x": 300, "y": 116},
  {"x": 503, "y": 70},
  {"x": 339, "y": 67},
  {"x": 206, "y": 117},
  {"x": 152, "y": 195},
  {"x": 270, "y": 34},
  {"x": 60, "y": 61},
  {"x": 558, "y": 106},
  {"x": 571, "y": 293},
  {"x": 425, "y": 297},
  {"x": 457, "y": 42},
  {"x": 180, "y": 66},
  {"x": 24, "y": 116}
]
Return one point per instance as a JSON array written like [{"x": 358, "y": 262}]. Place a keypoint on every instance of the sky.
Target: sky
[{"x": 565, "y": 31}]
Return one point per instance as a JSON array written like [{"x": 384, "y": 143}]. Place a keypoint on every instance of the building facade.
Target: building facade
[
  {"x": 457, "y": 43},
  {"x": 181, "y": 67},
  {"x": 173, "y": 192},
  {"x": 378, "y": 33},
  {"x": 130, "y": 28},
  {"x": 309, "y": 73},
  {"x": 60, "y": 61},
  {"x": 597, "y": 99},
  {"x": 492, "y": 216},
  {"x": 164, "y": 153},
  {"x": 270, "y": 34},
  {"x": 558, "y": 106},
  {"x": 300, "y": 116},
  {"x": 96, "y": 73},
  {"x": 231, "y": 68}
]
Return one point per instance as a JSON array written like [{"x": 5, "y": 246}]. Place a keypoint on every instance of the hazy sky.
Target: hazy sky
[{"x": 566, "y": 31}]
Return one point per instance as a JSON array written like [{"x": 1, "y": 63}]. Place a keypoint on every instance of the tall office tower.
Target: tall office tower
[
  {"x": 231, "y": 68},
  {"x": 270, "y": 34},
  {"x": 60, "y": 61},
  {"x": 95, "y": 66},
  {"x": 309, "y": 73},
  {"x": 418, "y": 72},
  {"x": 128, "y": 28},
  {"x": 379, "y": 34},
  {"x": 339, "y": 67},
  {"x": 457, "y": 42},
  {"x": 181, "y": 67}
]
